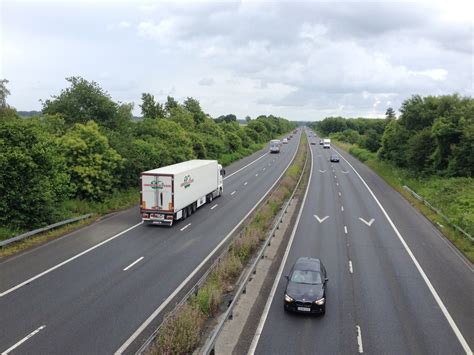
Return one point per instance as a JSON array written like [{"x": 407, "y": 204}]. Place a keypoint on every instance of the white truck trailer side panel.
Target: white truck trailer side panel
[{"x": 198, "y": 181}]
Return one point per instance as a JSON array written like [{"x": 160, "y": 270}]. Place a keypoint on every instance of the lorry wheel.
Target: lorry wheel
[
  {"x": 210, "y": 198},
  {"x": 185, "y": 213},
  {"x": 194, "y": 207},
  {"x": 190, "y": 210}
]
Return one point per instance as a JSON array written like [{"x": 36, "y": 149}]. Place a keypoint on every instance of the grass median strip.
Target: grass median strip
[{"x": 181, "y": 332}]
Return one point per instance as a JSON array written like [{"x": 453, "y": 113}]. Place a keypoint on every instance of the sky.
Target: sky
[{"x": 302, "y": 60}]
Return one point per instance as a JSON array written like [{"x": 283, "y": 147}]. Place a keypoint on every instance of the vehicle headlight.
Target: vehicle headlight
[
  {"x": 320, "y": 302},
  {"x": 288, "y": 298}
]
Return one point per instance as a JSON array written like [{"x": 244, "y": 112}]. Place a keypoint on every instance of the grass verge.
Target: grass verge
[
  {"x": 206, "y": 303},
  {"x": 453, "y": 196},
  {"x": 117, "y": 201}
]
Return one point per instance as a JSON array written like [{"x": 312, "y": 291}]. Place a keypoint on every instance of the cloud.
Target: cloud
[
  {"x": 206, "y": 82},
  {"x": 300, "y": 59}
]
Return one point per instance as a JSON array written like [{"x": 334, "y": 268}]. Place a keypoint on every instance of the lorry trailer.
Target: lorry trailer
[{"x": 174, "y": 192}]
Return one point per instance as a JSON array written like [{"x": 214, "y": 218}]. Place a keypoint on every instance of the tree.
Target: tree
[
  {"x": 4, "y": 92},
  {"x": 193, "y": 106},
  {"x": 371, "y": 140},
  {"x": 92, "y": 163},
  {"x": 151, "y": 108},
  {"x": 170, "y": 104},
  {"x": 33, "y": 174},
  {"x": 226, "y": 118},
  {"x": 390, "y": 114},
  {"x": 81, "y": 102}
]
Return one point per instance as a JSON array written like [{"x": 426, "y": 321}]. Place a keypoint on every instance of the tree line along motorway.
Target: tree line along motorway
[
  {"x": 94, "y": 291},
  {"x": 393, "y": 289}
]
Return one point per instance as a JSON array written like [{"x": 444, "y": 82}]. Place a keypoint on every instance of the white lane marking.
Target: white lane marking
[
  {"x": 438, "y": 300},
  {"x": 242, "y": 168},
  {"x": 67, "y": 261},
  {"x": 245, "y": 183},
  {"x": 339, "y": 194},
  {"x": 256, "y": 174},
  {"x": 350, "y": 267},
  {"x": 369, "y": 223},
  {"x": 321, "y": 220},
  {"x": 342, "y": 208},
  {"x": 13, "y": 347},
  {"x": 344, "y": 172},
  {"x": 165, "y": 303},
  {"x": 214, "y": 206},
  {"x": 263, "y": 318},
  {"x": 335, "y": 177},
  {"x": 337, "y": 184},
  {"x": 233, "y": 192},
  {"x": 345, "y": 229},
  {"x": 322, "y": 171},
  {"x": 186, "y": 226},
  {"x": 136, "y": 261},
  {"x": 359, "y": 340},
  {"x": 263, "y": 169}
]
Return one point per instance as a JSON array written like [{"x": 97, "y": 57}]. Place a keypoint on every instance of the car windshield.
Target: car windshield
[{"x": 306, "y": 277}]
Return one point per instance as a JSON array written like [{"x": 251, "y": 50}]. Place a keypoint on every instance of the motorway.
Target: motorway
[
  {"x": 378, "y": 302},
  {"x": 95, "y": 290}
]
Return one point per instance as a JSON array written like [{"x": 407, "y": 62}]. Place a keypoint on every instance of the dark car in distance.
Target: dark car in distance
[
  {"x": 305, "y": 290},
  {"x": 334, "y": 158}
]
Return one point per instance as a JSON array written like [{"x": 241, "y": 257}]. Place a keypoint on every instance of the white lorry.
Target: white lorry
[
  {"x": 275, "y": 145},
  {"x": 326, "y": 143},
  {"x": 176, "y": 191}
]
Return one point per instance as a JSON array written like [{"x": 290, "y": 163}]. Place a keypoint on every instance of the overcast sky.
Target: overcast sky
[{"x": 297, "y": 59}]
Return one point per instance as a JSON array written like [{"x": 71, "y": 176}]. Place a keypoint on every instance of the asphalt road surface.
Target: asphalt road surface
[
  {"x": 378, "y": 302},
  {"x": 90, "y": 291}
]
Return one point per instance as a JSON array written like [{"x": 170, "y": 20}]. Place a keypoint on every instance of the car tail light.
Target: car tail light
[{"x": 145, "y": 215}]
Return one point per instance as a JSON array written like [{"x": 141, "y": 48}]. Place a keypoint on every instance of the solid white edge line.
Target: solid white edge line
[
  {"x": 438, "y": 300},
  {"x": 13, "y": 347},
  {"x": 351, "y": 270},
  {"x": 233, "y": 192},
  {"x": 345, "y": 229},
  {"x": 242, "y": 168},
  {"x": 186, "y": 226},
  {"x": 266, "y": 310},
  {"x": 67, "y": 261},
  {"x": 136, "y": 261},
  {"x": 214, "y": 206},
  {"x": 359, "y": 340},
  {"x": 160, "y": 308}
]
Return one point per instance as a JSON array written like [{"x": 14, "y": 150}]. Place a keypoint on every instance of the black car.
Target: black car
[
  {"x": 334, "y": 158},
  {"x": 313, "y": 142},
  {"x": 321, "y": 142},
  {"x": 306, "y": 287}
]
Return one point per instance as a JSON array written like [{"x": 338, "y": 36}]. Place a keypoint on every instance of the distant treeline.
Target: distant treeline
[
  {"x": 85, "y": 146},
  {"x": 433, "y": 135}
]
